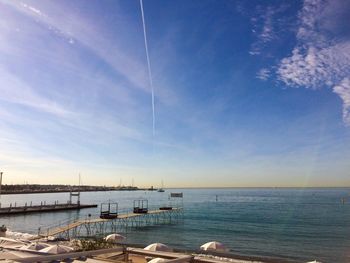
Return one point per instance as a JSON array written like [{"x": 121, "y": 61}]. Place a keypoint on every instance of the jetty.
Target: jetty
[
  {"x": 13, "y": 209},
  {"x": 111, "y": 221},
  {"x": 100, "y": 227}
]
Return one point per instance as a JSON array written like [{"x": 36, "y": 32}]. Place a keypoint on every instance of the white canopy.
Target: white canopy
[
  {"x": 214, "y": 246},
  {"x": 157, "y": 260},
  {"x": 27, "y": 236},
  {"x": 158, "y": 247},
  {"x": 114, "y": 238},
  {"x": 56, "y": 249},
  {"x": 35, "y": 246}
]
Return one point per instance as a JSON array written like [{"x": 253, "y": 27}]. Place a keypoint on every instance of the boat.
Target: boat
[{"x": 161, "y": 190}]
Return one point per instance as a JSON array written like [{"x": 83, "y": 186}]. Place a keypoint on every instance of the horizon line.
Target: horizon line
[{"x": 182, "y": 187}]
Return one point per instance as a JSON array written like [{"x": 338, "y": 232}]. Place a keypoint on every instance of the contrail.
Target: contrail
[{"x": 149, "y": 68}]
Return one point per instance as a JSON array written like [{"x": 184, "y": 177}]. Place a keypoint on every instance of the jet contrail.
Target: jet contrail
[{"x": 149, "y": 68}]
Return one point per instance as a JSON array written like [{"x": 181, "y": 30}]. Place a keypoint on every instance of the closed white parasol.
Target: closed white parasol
[
  {"x": 35, "y": 246},
  {"x": 56, "y": 249},
  {"x": 158, "y": 247},
  {"x": 157, "y": 260},
  {"x": 114, "y": 238},
  {"x": 214, "y": 246}
]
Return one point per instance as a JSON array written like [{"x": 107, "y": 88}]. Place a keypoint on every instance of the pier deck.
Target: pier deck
[
  {"x": 12, "y": 210},
  {"x": 98, "y": 226}
]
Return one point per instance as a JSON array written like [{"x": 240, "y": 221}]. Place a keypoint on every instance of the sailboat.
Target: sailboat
[{"x": 161, "y": 190}]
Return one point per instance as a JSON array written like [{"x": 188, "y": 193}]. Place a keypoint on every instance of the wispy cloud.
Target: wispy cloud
[
  {"x": 263, "y": 74},
  {"x": 312, "y": 67},
  {"x": 265, "y": 26},
  {"x": 15, "y": 91},
  {"x": 320, "y": 58},
  {"x": 43, "y": 71},
  {"x": 109, "y": 44},
  {"x": 69, "y": 89},
  {"x": 266, "y": 34},
  {"x": 78, "y": 29},
  {"x": 343, "y": 90},
  {"x": 32, "y": 9}
]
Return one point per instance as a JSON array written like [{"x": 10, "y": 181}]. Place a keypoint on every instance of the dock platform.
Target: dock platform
[
  {"x": 97, "y": 226},
  {"x": 14, "y": 210}
]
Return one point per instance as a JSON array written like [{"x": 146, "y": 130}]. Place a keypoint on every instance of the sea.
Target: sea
[{"x": 301, "y": 224}]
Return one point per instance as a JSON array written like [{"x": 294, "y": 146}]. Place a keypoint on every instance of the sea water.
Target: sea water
[{"x": 299, "y": 224}]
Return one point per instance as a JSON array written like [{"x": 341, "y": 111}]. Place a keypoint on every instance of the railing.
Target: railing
[
  {"x": 31, "y": 204},
  {"x": 73, "y": 255},
  {"x": 44, "y": 230},
  {"x": 125, "y": 252},
  {"x": 169, "y": 256}
]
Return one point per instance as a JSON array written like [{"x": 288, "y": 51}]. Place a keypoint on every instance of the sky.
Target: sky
[{"x": 246, "y": 93}]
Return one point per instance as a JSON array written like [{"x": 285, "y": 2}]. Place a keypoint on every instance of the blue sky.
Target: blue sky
[{"x": 247, "y": 93}]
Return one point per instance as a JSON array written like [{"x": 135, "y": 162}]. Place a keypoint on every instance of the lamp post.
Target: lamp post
[
  {"x": 0, "y": 182},
  {"x": 0, "y": 186}
]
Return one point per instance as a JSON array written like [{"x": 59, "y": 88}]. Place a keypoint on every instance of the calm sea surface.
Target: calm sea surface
[{"x": 289, "y": 223}]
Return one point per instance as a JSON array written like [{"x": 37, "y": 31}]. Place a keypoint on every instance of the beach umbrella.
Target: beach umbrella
[
  {"x": 27, "y": 236},
  {"x": 51, "y": 238},
  {"x": 9, "y": 234},
  {"x": 17, "y": 235},
  {"x": 214, "y": 246},
  {"x": 10, "y": 243},
  {"x": 35, "y": 246},
  {"x": 157, "y": 260},
  {"x": 56, "y": 249},
  {"x": 113, "y": 238},
  {"x": 158, "y": 247}
]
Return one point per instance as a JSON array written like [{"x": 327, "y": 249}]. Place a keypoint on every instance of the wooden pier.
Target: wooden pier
[
  {"x": 43, "y": 207},
  {"x": 100, "y": 227},
  {"x": 14, "y": 210},
  {"x": 111, "y": 221}
]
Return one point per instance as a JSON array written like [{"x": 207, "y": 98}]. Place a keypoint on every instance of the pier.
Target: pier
[
  {"x": 14, "y": 210},
  {"x": 111, "y": 221},
  {"x": 100, "y": 227},
  {"x": 43, "y": 207}
]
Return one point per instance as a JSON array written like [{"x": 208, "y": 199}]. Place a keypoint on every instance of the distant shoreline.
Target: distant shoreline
[
  {"x": 42, "y": 189},
  {"x": 264, "y": 187},
  {"x": 67, "y": 191}
]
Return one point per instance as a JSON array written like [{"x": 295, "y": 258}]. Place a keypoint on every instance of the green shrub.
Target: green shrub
[{"x": 91, "y": 244}]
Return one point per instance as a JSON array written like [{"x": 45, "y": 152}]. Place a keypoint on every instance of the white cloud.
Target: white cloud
[
  {"x": 79, "y": 29},
  {"x": 48, "y": 85},
  {"x": 263, "y": 74},
  {"x": 267, "y": 33},
  {"x": 265, "y": 27},
  {"x": 262, "y": 29},
  {"x": 308, "y": 21},
  {"x": 343, "y": 90},
  {"x": 128, "y": 61},
  {"x": 32, "y": 9},
  {"x": 320, "y": 57},
  {"x": 313, "y": 67}
]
